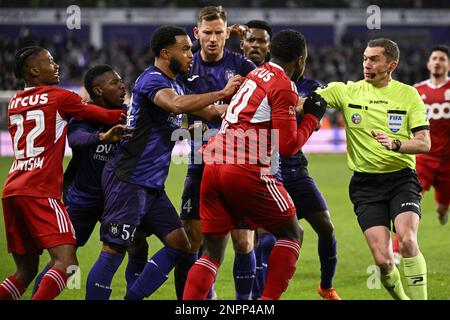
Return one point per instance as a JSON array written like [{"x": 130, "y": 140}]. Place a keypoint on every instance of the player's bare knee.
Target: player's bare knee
[
  {"x": 408, "y": 247},
  {"x": 386, "y": 265},
  {"x": 242, "y": 245},
  {"x": 114, "y": 249},
  {"x": 178, "y": 239}
]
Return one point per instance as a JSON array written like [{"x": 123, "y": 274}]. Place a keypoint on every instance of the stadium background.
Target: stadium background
[{"x": 118, "y": 33}]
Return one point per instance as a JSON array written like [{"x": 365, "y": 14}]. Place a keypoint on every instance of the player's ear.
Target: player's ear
[
  {"x": 97, "y": 91},
  {"x": 164, "y": 54},
  {"x": 241, "y": 45},
  {"x": 34, "y": 72},
  {"x": 228, "y": 33},
  {"x": 196, "y": 33}
]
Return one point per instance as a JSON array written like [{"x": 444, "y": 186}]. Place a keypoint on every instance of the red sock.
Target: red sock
[
  {"x": 281, "y": 268},
  {"x": 10, "y": 289},
  {"x": 52, "y": 284},
  {"x": 395, "y": 246},
  {"x": 200, "y": 279}
]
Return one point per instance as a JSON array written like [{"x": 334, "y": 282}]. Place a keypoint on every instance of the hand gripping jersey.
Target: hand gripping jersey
[{"x": 37, "y": 122}]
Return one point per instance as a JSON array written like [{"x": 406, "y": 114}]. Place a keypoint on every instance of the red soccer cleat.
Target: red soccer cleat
[{"x": 328, "y": 294}]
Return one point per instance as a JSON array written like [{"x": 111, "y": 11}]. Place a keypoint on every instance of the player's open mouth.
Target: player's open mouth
[{"x": 369, "y": 75}]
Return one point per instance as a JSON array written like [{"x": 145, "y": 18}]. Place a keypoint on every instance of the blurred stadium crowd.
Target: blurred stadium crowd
[
  {"x": 325, "y": 63},
  {"x": 233, "y": 3}
]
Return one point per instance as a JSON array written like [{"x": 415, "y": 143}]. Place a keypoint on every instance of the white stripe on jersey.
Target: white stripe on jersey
[
  {"x": 60, "y": 125},
  {"x": 62, "y": 223},
  {"x": 263, "y": 113},
  {"x": 276, "y": 194}
]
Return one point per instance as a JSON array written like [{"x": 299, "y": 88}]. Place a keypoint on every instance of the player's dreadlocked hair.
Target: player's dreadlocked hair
[
  {"x": 92, "y": 74},
  {"x": 164, "y": 36},
  {"x": 21, "y": 58},
  {"x": 287, "y": 45},
  {"x": 260, "y": 24}
]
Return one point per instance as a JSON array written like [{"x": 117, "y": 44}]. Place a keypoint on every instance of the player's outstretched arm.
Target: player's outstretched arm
[
  {"x": 420, "y": 143},
  {"x": 169, "y": 100},
  {"x": 212, "y": 113},
  {"x": 73, "y": 106}
]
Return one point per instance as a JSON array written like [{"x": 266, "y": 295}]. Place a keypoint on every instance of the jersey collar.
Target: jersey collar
[{"x": 276, "y": 65}]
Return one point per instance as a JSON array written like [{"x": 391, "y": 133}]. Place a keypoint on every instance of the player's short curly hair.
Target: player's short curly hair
[
  {"x": 92, "y": 74},
  {"x": 287, "y": 45},
  {"x": 260, "y": 24},
  {"x": 164, "y": 37},
  {"x": 21, "y": 58},
  {"x": 391, "y": 50}
]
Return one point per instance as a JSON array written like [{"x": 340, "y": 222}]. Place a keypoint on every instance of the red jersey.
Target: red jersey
[
  {"x": 437, "y": 102},
  {"x": 37, "y": 122},
  {"x": 260, "y": 117}
]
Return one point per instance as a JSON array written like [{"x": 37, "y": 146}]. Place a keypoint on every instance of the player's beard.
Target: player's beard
[{"x": 175, "y": 66}]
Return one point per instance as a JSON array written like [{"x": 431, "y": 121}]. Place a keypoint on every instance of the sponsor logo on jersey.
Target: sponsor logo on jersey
[
  {"x": 438, "y": 111},
  {"x": 447, "y": 94},
  {"x": 356, "y": 118},
  {"x": 395, "y": 122}
]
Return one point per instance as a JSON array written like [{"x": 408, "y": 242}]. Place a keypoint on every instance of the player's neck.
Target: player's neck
[
  {"x": 165, "y": 69},
  {"x": 211, "y": 58},
  {"x": 436, "y": 80}
]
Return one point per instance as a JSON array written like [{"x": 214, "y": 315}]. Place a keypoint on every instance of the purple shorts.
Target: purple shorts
[
  {"x": 128, "y": 206},
  {"x": 304, "y": 192}
]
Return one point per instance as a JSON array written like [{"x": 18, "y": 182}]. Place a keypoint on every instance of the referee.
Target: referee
[{"x": 386, "y": 125}]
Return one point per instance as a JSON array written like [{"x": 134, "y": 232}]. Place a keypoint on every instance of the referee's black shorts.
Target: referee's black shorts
[{"x": 379, "y": 198}]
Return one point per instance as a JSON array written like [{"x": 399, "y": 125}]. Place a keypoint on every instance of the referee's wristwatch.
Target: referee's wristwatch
[{"x": 397, "y": 145}]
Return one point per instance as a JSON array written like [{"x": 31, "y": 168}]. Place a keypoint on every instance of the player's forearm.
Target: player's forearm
[
  {"x": 212, "y": 113},
  {"x": 79, "y": 138},
  {"x": 195, "y": 102},
  {"x": 97, "y": 114},
  {"x": 292, "y": 139}
]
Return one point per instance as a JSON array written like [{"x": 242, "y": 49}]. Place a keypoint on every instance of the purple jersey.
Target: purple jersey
[
  {"x": 212, "y": 76},
  {"x": 82, "y": 178},
  {"x": 145, "y": 159},
  {"x": 305, "y": 87}
]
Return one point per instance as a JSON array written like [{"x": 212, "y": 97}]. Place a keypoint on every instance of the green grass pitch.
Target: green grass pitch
[{"x": 354, "y": 271}]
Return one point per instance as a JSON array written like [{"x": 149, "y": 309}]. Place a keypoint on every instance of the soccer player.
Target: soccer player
[
  {"x": 92, "y": 146},
  {"x": 133, "y": 180},
  {"x": 433, "y": 168},
  {"x": 238, "y": 186},
  {"x": 385, "y": 126},
  {"x": 35, "y": 218},
  {"x": 212, "y": 66},
  {"x": 309, "y": 201},
  {"x": 256, "y": 40}
]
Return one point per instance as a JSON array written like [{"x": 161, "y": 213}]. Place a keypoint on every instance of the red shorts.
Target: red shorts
[
  {"x": 436, "y": 173},
  {"x": 231, "y": 195},
  {"x": 33, "y": 224}
]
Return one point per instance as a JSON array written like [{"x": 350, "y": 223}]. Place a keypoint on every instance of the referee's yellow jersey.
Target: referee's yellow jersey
[{"x": 396, "y": 109}]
